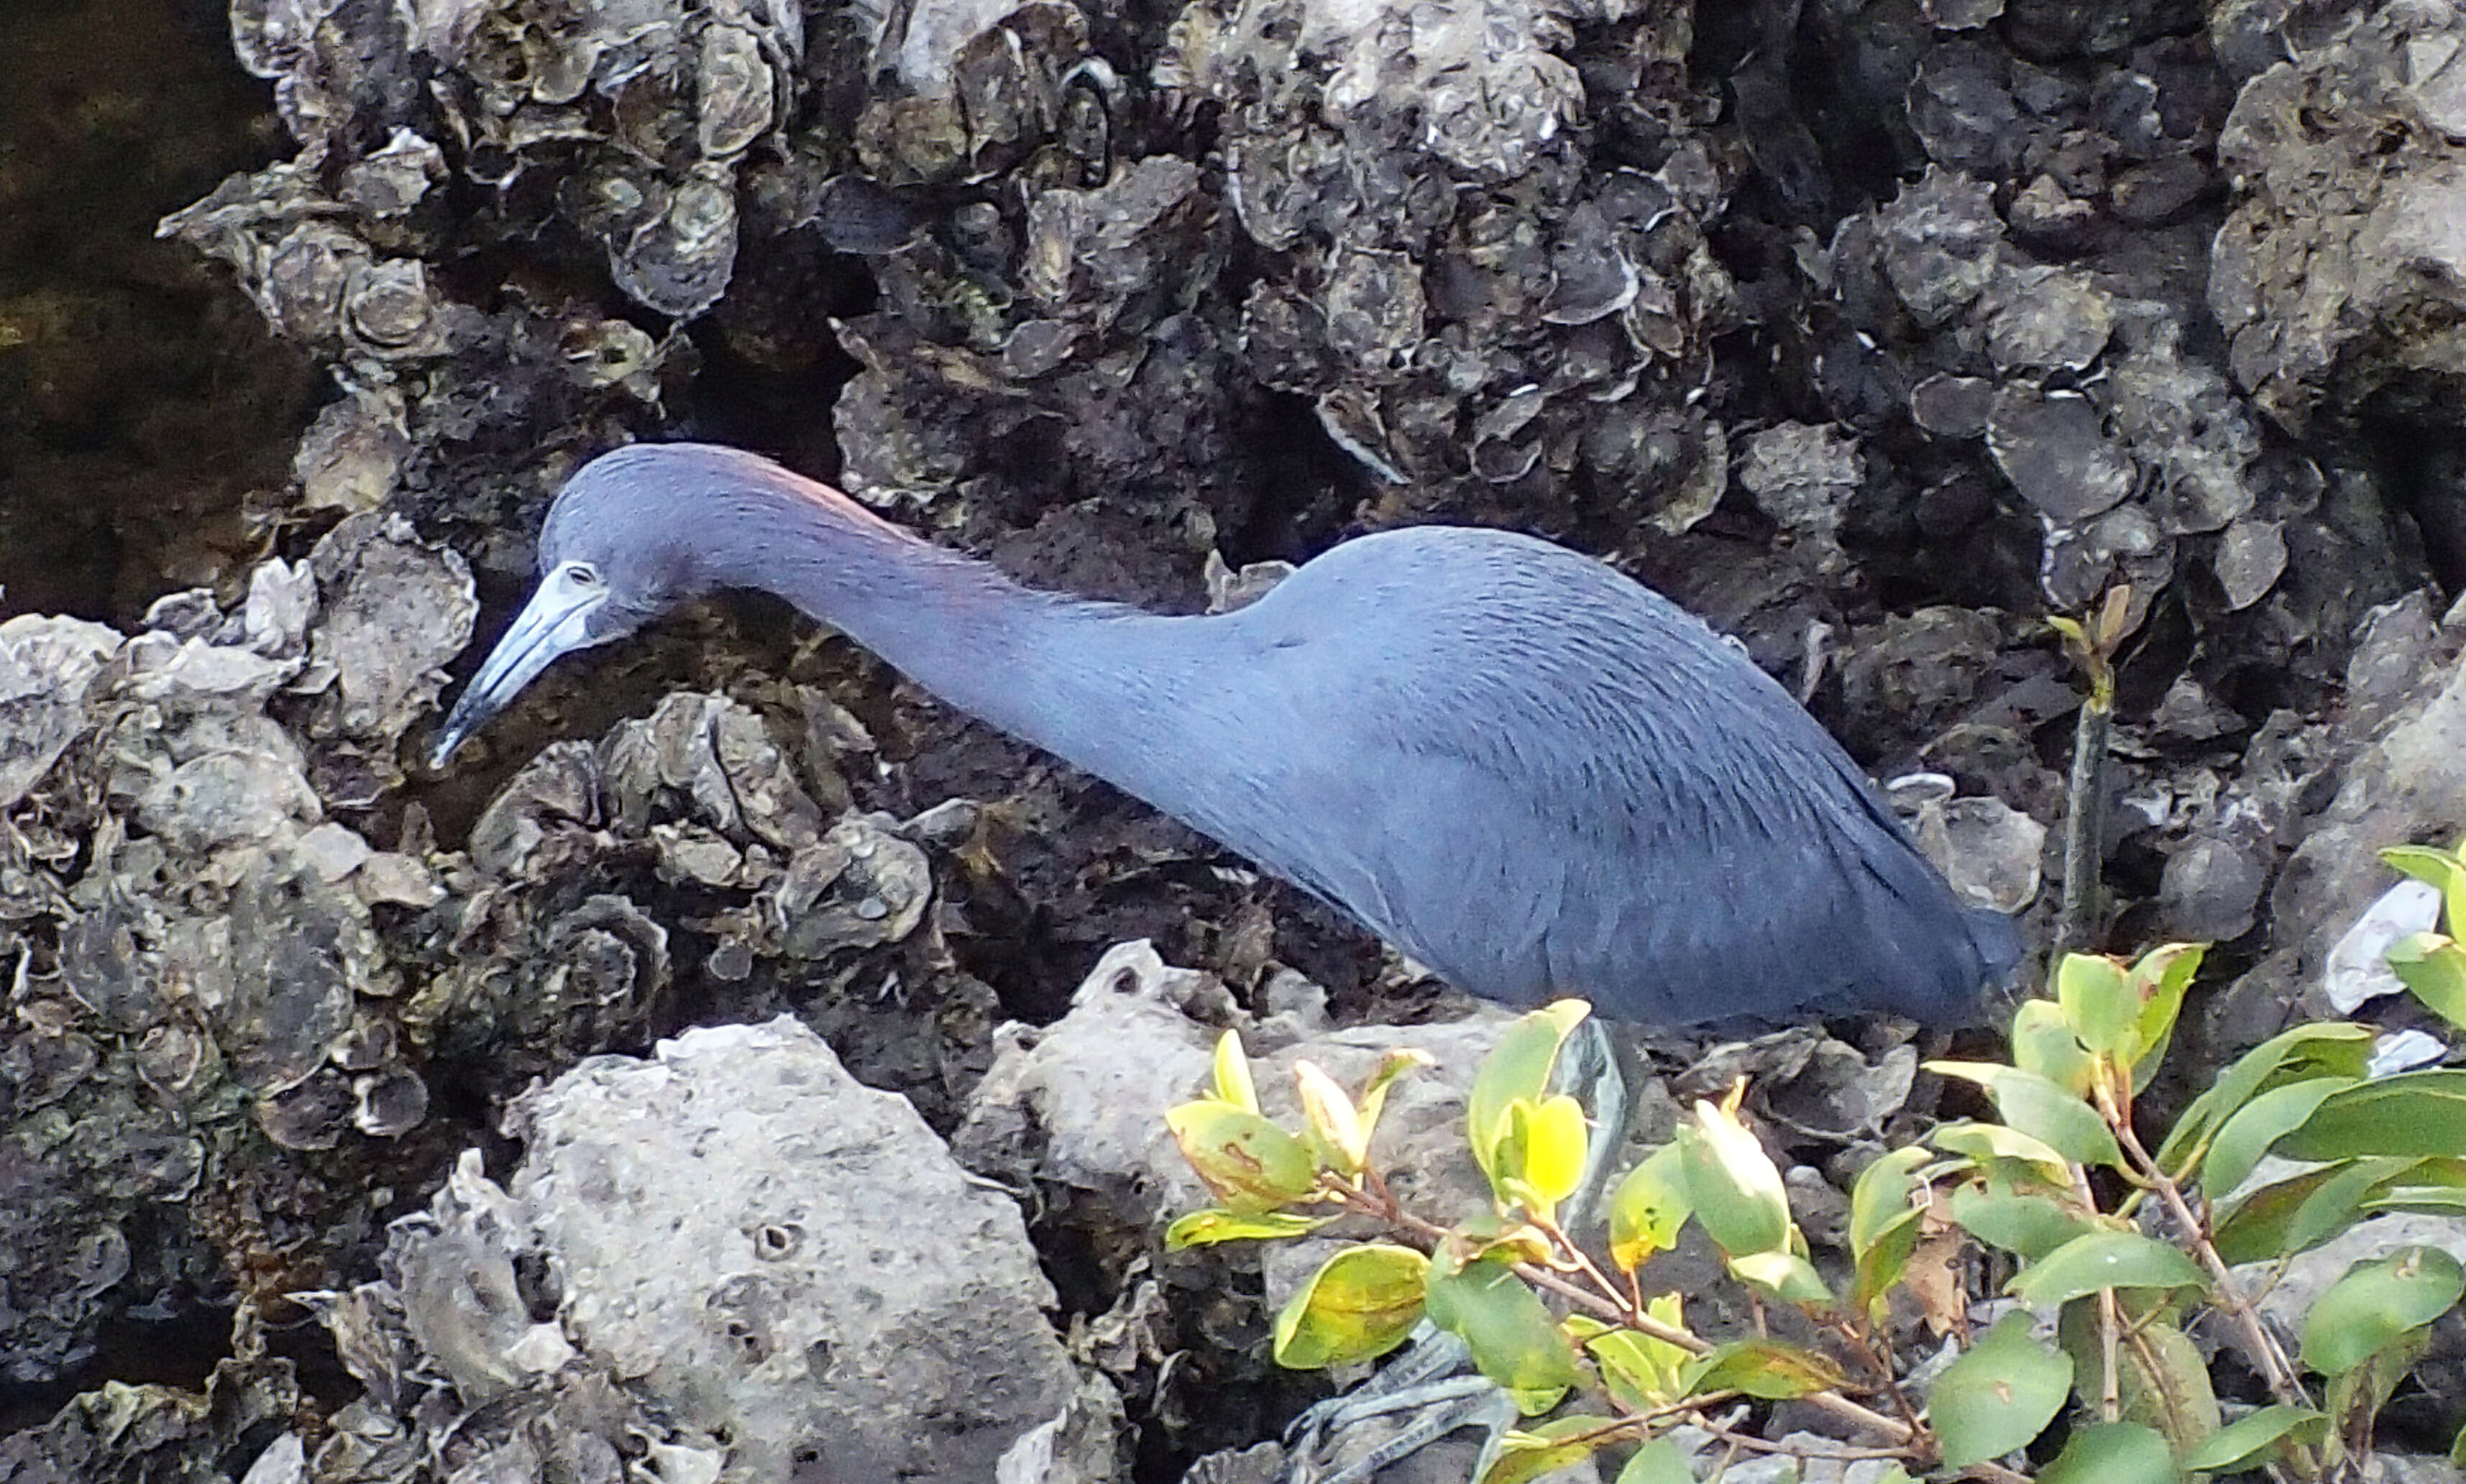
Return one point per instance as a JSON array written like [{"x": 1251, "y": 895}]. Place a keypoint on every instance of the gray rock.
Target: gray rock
[{"x": 781, "y": 1266}]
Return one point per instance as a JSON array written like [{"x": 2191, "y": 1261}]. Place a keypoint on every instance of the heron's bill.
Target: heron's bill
[{"x": 555, "y": 621}]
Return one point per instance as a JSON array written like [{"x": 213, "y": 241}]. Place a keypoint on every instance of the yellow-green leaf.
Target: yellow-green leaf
[
  {"x": 1772, "y": 1369},
  {"x": 2027, "y": 1223},
  {"x": 2250, "y": 1130},
  {"x": 1641, "y": 1372},
  {"x": 1783, "y": 1275},
  {"x": 1519, "y": 1067},
  {"x": 2159, "y": 978},
  {"x": 1647, "y": 1210},
  {"x": 1249, "y": 1163},
  {"x": 1732, "y": 1185},
  {"x": 2045, "y": 1041},
  {"x": 1994, "y": 1145},
  {"x": 2413, "y": 1114},
  {"x": 2436, "y": 867},
  {"x": 2099, "y": 1005},
  {"x": 1398, "y": 1061},
  {"x": 1887, "y": 1211},
  {"x": 1560, "y": 1443},
  {"x": 1545, "y": 1148},
  {"x": 1202, "y": 1228},
  {"x": 1233, "y": 1083},
  {"x": 1332, "y": 1118},
  {"x": 1360, "y": 1304},
  {"x": 2317, "y": 1048}
]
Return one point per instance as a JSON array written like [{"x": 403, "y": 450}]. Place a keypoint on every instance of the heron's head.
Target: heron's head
[{"x": 620, "y": 548}]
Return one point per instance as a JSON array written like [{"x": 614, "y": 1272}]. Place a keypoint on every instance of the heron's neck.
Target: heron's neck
[{"x": 1094, "y": 683}]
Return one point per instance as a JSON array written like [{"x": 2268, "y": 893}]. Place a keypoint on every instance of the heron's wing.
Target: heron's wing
[{"x": 1661, "y": 926}]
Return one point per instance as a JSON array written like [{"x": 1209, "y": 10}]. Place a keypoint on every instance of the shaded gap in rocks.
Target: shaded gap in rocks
[
  {"x": 179, "y": 1350},
  {"x": 772, "y": 368},
  {"x": 2424, "y": 470},
  {"x": 1307, "y": 487},
  {"x": 141, "y": 401}
]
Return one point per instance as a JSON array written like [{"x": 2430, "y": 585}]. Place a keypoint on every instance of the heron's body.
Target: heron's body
[{"x": 1532, "y": 773}]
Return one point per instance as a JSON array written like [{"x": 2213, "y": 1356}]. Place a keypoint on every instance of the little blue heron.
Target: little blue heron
[{"x": 1533, "y": 774}]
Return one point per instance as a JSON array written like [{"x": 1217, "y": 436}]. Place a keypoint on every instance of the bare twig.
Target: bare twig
[
  {"x": 2084, "y": 825},
  {"x": 2266, "y": 1353}
]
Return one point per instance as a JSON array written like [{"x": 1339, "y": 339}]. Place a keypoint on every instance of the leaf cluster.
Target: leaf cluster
[{"x": 2117, "y": 1254}]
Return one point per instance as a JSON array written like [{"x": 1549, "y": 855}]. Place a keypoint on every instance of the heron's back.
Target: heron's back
[{"x": 1540, "y": 779}]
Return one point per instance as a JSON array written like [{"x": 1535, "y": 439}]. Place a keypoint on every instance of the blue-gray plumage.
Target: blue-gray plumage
[{"x": 1534, "y": 775}]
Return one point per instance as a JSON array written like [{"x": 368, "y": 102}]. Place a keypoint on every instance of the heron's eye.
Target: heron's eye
[{"x": 582, "y": 574}]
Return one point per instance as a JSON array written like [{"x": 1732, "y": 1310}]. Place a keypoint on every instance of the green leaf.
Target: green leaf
[
  {"x": 1647, "y": 1210},
  {"x": 1886, "y": 1194},
  {"x": 1732, "y": 1185},
  {"x": 1642, "y": 1372},
  {"x": 1511, "y": 1336},
  {"x": 2113, "y": 1453},
  {"x": 2105, "y": 1260},
  {"x": 2434, "y": 1187},
  {"x": 2041, "y": 1109},
  {"x": 2249, "y": 1130},
  {"x": 2375, "y": 1303},
  {"x": 1657, "y": 1462},
  {"x": 2241, "y": 1444},
  {"x": 1333, "y": 1122},
  {"x": 2355, "y": 1397},
  {"x": 2435, "y": 867},
  {"x": 1887, "y": 1211},
  {"x": 2457, "y": 1448},
  {"x": 2045, "y": 1043},
  {"x": 2415, "y": 1112},
  {"x": 1995, "y": 1145},
  {"x": 1519, "y": 1067},
  {"x": 2027, "y": 1224},
  {"x": 2294, "y": 1215},
  {"x": 1525, "y": 1454},
  {"x": 1249, "y": 1163},
  {"x": 2334, "y": 1048},
  {"x": 2099, "y": 1005},
  {"x": 2158, "y": 979},
  {"x": 1360, "y": 1304},
  {"x": 1202, "y": 1228},
  {"x": 1233, "y": 1083},
  {"x": 1999, "y": 1396},
  {"x": 1784, "y": 1275},
  {"x": 2435, "y": 967},
  {"x": 1772, "y": 1369}
]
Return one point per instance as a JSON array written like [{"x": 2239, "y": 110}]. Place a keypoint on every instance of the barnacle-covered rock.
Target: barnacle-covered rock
[
  {"x": 1469, "y": 310},
  {"x": 861, "y": 885},
  {"x": 396, "y": 609},
  {"x": 707, "y": 760},
  {"x": 209, "y": 981},
  {"x": 669, "y": 1268},
  {"x": 45, "y": 665},
  {"x": 235, "y": 1427},
  {"x": 2338, "y": 278},
  {"x": 1804, "y": 478}
]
